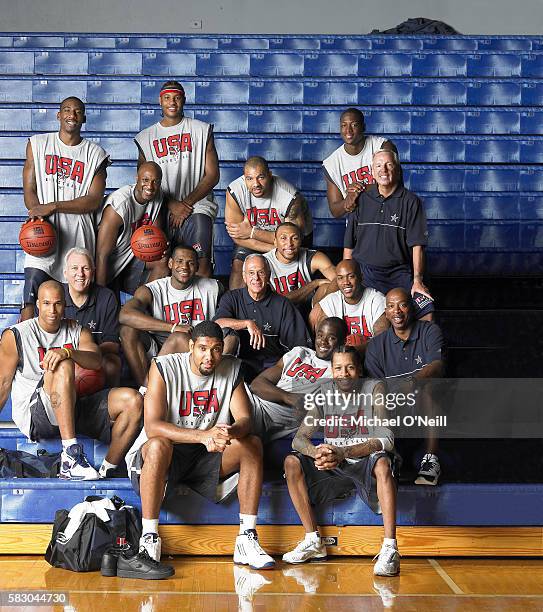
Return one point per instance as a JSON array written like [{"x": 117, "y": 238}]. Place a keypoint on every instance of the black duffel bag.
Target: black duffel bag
[
  {"x": 81, "y": 536},
  {"x": 20, "y": 464}
]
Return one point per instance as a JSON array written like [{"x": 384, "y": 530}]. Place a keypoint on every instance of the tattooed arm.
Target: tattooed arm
[{"x": 310, "y": 424}]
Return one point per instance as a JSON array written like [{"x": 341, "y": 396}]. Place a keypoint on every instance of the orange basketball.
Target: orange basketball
[
  {"x": 38, "y": 238},
  {"x": 148, "y": 243},
  {"x": 355, "y": 340},
  {"x": 88, "y": 382}
]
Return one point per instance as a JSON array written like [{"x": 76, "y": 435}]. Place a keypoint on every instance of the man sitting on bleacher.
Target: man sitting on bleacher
[
  {"x": 348, "y": 169},
  {"x": 256, "y": 204},
  {"x": 38, "y": 359},
  {"x": 387, "y": 235},
  {"x": 64, "y": 178}
]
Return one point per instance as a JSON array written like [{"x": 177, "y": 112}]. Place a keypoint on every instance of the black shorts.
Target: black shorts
[
  {"x": 326, "y": 485},
  {"x": 196, "y": 232},
  {"x": 34, "y": 277},
  {"x": 91, "y": 417},
  {"x": 191, "y": 465},
  {"x": 134, "y": 275}
]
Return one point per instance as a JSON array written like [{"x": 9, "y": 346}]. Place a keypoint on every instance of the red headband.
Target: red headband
[{"x": 172, "y": 90}]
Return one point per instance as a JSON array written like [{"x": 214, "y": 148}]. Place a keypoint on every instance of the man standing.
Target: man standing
[
  {"x": 268, "y": 324},
  {"x": 64, "y": 178},
  {"x": 161, "y": 314},
  {"x": 408, "y": 353},
  {"x": 387, "y": 235},
  {"x": 293, "y": 267},
  {"x": 185, "y": 151},
  {"x": 256, "y": 204},
  {"x": 38, "y": 357},
  {"x": 362, "y": 308},
  {"x": 124, "y": 211},
  {"x": 348, "y": 169},
  {"x": 278, "y": 392},
  {"x": 197, "y": 430}
]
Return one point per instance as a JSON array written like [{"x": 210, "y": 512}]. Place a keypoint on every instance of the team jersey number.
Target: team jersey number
[{"x": 358, "y": 325}]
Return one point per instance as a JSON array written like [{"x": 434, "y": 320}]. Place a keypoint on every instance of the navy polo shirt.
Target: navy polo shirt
[
  {"x": 280, "y": 322},
  {"x": 99, "y": 314},
  {"x": 388, "y": 356},
  {"x": 382, "y": 231}
]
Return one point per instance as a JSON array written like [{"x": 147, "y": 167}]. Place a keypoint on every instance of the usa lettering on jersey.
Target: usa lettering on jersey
[
  {"x": 145, "y": 220},
  {"x": 299, "y": 369},
  {"x": 184, "y": 312},
  {"x": 358, "y": 325},
  {"x": 198, "y": 403},
  {"x": 42, "y": 351},
  {"x": 362, "y": 175},
  {"x": 68, "y": 168},
  {"x": 263, "y": 216},
  {"x": 172, "y": 145},
  {"x": 346, "y": 426},
  {"x": 288, "y": 283}
]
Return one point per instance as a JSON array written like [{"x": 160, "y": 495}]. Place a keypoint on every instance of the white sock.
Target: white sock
[
  {"x": 68, "y": 442},
  {"x": 106, "y": 465},
  {"x": 149, "y": 526},
  {"x": 312, "y": 536},
  {"x": 390, "y": 542},
  {"x": 247, "y": 521}
]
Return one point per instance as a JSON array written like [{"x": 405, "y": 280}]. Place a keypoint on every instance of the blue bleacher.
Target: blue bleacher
[
  {"x": 205, "y": 42},
  {"x": 15, "y": 90},
  {"x": 498, "y": 93},
  {"x": 141, "y": 42},
  {"x": 38, "y": 41},
  {"x": 54, "y": 91},
  {"x": 275, "y": 92},
  {"x": 115, "y": 63},
  {"x": 223, "y": 92},
  {"x": 89, "y": 42},
  {"x": 169, "y": 66},
  {"x": 330, "y": 65},
  {"x": 56, "y": 62},
  {"x": 16, "y": 62},
  {"x": 276, "y": 65},
  {"x": 113, "y": 92},
  {"x": 222, "y": 64}
]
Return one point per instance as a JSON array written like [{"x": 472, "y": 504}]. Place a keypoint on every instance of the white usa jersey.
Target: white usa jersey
[
  {"x": 134, "y": 215},
  {"x": 360, "y": 317},
  {"x": 287, "y": 277},
  {"x": 303, "y": 371},
  {"x": 266, "y": 213},
  {"x": 194, "y": 401},
  {"x": 180, "y": 151},
  {"x": 344, "y": 169},
  {"x": 65, "y": 173},
  {"x": 32, "y": 344},
  {"x": 189, "y": 306}
]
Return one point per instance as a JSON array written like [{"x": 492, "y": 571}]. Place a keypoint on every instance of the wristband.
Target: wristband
[
  {"x": 173, "y": 328},
  {"x": 252, "y": 231},
  {"x": 68, "y": 352}
]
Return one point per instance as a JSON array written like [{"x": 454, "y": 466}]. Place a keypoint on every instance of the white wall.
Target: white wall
[{"x": 267, "y": 16}]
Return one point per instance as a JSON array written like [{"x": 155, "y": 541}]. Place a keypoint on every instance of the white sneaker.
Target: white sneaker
[
  {"x": 74, "y": 464},
  {"x": 152, "y": 543},
  {"x": 306, "y": 550},
  {"x": 430, "y": 470},
  {"x": 226, "y": 487},
  {"x": 388, "y": 562},
  {"x": 249, "y": 552}
]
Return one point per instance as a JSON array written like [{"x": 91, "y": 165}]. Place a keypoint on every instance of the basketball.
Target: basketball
[
  {"x": 88, "y": 382},
  {"x": 38, "y": 237},
  {"x": 148, "y": 243},
  {"x": 355, "y": 340}
]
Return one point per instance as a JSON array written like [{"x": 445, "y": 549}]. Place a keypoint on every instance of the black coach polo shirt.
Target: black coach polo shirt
[
  {"x": 280, "y": 322},
  {"x": 381, "y": 231},
  {"x": 388, "y": 356},
  {"x": 99, "y": 314}
]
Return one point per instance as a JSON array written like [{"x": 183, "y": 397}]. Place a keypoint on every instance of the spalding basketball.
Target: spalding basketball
[
  {"x": 355, "y": 340},
  {"x": 148, "y": 243},
  {"x": 38, "y": 237},
  {"x": 88, "y": 382}
]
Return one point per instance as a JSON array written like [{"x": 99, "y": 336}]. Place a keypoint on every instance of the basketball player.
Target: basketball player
[
  {"x": 293, "y": 267},
  {"x": 256, "y": 204},
  {"x": 348, "y": 169},
  {"x": 197, "y": 430},
  {"x": 278, "y": 392},
  {"x": 185, "y": 151},
  {"x": 164, "y": 308},
  {"x": 363, "y": 309},
  {"x": 350, "y": 458},
  {"x": 64, "y": 178},
  {"x": 124, "y": 211},
  {"x": 38, "y": 357}
]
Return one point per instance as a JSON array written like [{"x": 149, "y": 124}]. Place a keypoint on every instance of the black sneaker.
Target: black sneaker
[
  {"x": 142, "y": 566},
  {"x": 110, "y": 558}
]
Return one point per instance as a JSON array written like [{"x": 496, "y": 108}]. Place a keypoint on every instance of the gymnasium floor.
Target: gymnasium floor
[{"x": 340, "y": 584}]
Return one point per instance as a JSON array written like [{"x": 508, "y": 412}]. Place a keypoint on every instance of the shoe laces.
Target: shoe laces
[
  {"x": 145, "y": 556},
  {"x": 390, "y": 550},
  {"x": 78, "y": 455},
  {"x": 427, "y": 464}
]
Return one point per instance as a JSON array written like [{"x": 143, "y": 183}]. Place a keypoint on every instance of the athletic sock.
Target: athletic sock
[
  {"x": 149, "y": 526},
  {"x": 106, "y": 465},
  {"x": 312, "y": 536},
  {"x": 247, "y": 521},
  {"x": 390, "y": 542},
  {"x": 68, "y": 442}
]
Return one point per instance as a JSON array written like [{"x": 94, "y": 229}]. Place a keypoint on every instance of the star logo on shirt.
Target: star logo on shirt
[
  {"x": 418, "y": 360},
  {"x": 92, "y": 325},
  {"x": 267, "y": 326},
  {"x": 394, "y": 218}
]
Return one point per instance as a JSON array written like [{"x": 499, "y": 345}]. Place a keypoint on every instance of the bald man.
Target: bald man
[
  {"x": 256, "y": 204},
  {"x": 124, "y": 211},
  {"x": 38, "y": 359}
]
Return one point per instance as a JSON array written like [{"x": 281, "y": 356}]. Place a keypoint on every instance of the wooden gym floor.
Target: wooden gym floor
[{"x": 340, "y": 584}]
